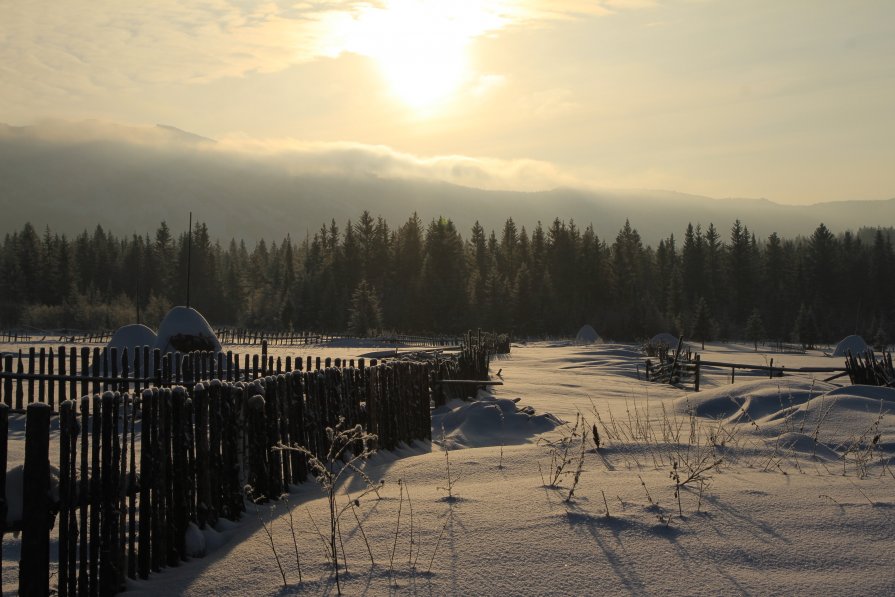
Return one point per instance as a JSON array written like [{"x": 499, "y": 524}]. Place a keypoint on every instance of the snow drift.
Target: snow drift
[
  {"x": 184, "y": 329},
  {"x": 488, "y": 421}
]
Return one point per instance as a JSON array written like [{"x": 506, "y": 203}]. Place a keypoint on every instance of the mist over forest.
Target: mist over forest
[{"x": 127, "y": 179}]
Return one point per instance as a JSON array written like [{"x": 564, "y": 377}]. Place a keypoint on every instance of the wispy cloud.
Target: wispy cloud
[
  {"x": 298, "y": 157},
  {"x": 75, "y": 47}
]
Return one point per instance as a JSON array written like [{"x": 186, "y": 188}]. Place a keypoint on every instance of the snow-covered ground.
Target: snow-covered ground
[{"x": 792, "y": 491}]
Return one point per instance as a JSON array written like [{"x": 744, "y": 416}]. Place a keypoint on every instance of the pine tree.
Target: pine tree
[
  {"x": 702, "y": 326},
  {"x": 755, "y": 331},
  {"x": 805, "y": 328},
  {"x": 365, "y": 316}
]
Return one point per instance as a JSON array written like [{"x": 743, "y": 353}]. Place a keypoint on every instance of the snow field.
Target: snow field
[{"x": 801, "y": 502}]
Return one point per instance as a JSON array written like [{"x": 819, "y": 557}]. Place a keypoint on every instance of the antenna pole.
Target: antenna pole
[{"x": 189, "y": 259}]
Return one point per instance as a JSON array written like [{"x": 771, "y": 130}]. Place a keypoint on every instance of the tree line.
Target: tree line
[{"x": 427, "y": 277}]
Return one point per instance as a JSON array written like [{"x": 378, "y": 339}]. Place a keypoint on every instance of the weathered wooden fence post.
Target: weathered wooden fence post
[
  {"x": 696, "y": 373},
  {"x": 34, "y": 567},
  {"x": 4, "y": 435}
]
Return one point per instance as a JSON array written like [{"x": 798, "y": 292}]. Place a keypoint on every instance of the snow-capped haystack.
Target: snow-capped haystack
[
  {"x": 854, "y": 344},
  {"x": 184, "y": 329},
  {"x": 131, "y": 337},
  {"x": 664, "y": 338},
  {"x": 588, "y": 335}
]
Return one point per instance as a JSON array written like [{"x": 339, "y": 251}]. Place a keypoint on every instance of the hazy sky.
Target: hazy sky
[{"x": 784, "y": 99}]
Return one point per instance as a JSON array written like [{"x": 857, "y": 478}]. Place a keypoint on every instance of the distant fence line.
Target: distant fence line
[
  {"x": 244, "y": 336},
  {"x": 683, "y": 367}
]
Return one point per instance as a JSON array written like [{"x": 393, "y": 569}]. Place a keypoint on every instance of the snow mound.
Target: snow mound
[
  {"x": 488, "y": 421},
  {"x": 194, "y": 542},
  {"x": 854, "y": 344},
  {"x": 753, "y": 400},
  {"x": 588, "y": 335},
  {"x": 664, "y": 338},
  {"x": 15, "y": 489},
  {"x": 184, "y": 329},
  {"x": 830, "y": 419},
  {"x": 131, "y": 337},
  {"x": 804, "y": 444}
]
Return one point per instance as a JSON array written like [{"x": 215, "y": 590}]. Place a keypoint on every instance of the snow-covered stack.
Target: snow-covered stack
[
  {"x": 664, "y": 338},
  {"x": 588, "y": 335},
  {"x": 184, "y": 329},
  {"x": 131, "y": 337},
  {"x": 853, "y": 344}
]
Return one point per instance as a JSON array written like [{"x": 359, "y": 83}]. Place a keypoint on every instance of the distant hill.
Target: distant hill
[{"x": 128, "y": 186}]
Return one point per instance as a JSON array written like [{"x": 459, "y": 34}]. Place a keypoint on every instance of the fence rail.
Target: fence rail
[{"x": 686, "y": 368}]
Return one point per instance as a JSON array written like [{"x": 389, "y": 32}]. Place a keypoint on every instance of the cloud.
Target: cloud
[
  {"x": 297, "y": 157},
  {"x": 76, "y": 47}
]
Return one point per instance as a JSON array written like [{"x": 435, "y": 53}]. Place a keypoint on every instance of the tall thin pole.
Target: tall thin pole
[{"x": 189, "y": 259}]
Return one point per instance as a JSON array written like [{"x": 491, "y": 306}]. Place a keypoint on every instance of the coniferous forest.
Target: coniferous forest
[{"x": 703, "y": 282}]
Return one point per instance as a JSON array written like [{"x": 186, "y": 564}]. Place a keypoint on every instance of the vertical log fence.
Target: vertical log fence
[{"x": 137, "y": 468}]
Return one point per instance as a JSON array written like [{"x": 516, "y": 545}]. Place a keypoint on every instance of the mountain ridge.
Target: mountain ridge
[{"x": 130, "y": 187}]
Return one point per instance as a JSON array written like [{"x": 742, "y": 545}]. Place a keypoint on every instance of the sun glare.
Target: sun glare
[{"x": 421, "y": 46}]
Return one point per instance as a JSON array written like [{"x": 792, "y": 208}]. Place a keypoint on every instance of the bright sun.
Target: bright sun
[{"x": 421, "y": 46}]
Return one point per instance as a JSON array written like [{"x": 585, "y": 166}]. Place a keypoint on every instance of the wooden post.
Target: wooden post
[
  {"x": 264, "y": 370},
  {"x": 4, "y": 507},
  {"x": 20, "y": 393},
  {"x": 7, "y": 383},
  {"x": 83, "y": 574},
  {"x": 31, "y": 372},
  {"x": 215, "y": 437},
  {"x": 696, "y": 374},
  {"x": 66, "y": 430},
  {"x": 179, "y": 476},
  {"x": 771, "y": 369},
  {"x": 144, "y": 562},
  {"x": 132, "y": 494},
  {"x": 85, "y": 372},
  {"x": 200, "y": 410},
  {"x": 95, "y": 490},
  {"x": 108, "y": 573},
  {"x": 34, "y": 568}
]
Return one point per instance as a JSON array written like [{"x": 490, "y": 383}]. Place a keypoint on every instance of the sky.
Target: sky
[{"x": 791, "y": 101}]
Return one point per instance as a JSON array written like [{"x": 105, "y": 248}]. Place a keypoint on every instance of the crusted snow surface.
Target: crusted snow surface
[{"x": 788, "y": 488}]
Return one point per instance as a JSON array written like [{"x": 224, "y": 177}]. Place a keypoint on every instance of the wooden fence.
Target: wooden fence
[
  {"x": 51, "y": 375},
  {"x": 869, "y": 370},
  {"x": 684, "y": 368},
  {"x": 70, "y": 336},
  {"x": 137, "y": 468},
  {"x": 242, "y": 336}
]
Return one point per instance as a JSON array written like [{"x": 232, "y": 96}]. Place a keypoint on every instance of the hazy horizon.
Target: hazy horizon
[{"x": 785, "y": 101}]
